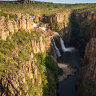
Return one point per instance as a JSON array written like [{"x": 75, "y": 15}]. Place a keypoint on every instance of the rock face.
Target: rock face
[
  {"x": 57, "y": 21},
  {"x": 90, "y": 49},
  {"x": 82, "y": 30},
  {"x": 19, "y": 22},
  {"x": 22, "y": 80},
  {"x": 87, "y": 77},
  {"x": 14, "y": 85},
  {"x": 25, "y": 74},
  {"x": 83, "y": 37},
  {"x": 60, "y": 23}
]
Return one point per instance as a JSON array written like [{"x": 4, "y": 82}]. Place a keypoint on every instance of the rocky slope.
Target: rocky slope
[{"x": 26, "y": 68}]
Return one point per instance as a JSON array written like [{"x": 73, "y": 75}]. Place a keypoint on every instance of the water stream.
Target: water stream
[
  {"x": 56, "y": 50},
  {"x": 64, "y": 49},
  {"x": 67, "y": 86},
  {"x": 70, "y": 56}
]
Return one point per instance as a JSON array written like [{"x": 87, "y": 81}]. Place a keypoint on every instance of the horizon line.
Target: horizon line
[{"x": 53, "y": 2}]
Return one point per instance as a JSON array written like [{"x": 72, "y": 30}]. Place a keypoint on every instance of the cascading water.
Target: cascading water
[
  {"x": 37, "y": 24},
  {"x": 56, "y": 33},
  {"x": 56, "y": 50},
  {"x": 34, "y": 24},
  {"x": 55, "y": 55},
  {"x": 43, "y": 28},
  {"x": 64, "y": 49},
  {"x": 65, "y": 87}
]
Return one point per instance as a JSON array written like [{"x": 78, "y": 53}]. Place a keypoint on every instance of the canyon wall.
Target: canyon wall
[
  {"x": 87, "y": 77},
  {"x": 82, "y": 30},
  {"x": 26, "y": 67},
  {"x": 58, "y": 22},
  {"x": 84, "y": 38}
]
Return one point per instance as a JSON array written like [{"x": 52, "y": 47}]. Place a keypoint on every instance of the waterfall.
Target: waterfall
[
  {"x": 43, "y": 28},
  {"x": 62, "y": 45},
  {"x": 64, "y": 49},
  {"x": 56, "y": 50},
  {"x": 34, "y": 24},
  {"x": 56, "y": 33},
  {"x": 33, "y": 17}
]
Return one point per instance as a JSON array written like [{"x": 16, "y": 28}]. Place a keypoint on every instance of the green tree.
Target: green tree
[{"x": 26, "y": 1}]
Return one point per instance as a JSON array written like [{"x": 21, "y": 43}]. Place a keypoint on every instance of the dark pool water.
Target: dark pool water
[{"x": 67, "y": 87}]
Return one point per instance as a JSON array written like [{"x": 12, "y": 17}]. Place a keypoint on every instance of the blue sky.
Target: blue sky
[
  {"x": 63, "y": 1},
  {"x": 69, "y": 1}
]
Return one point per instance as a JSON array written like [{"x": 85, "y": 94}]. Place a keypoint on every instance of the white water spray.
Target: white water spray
[
  {"x": 43, "y": 28},
  {"x": 64, "y": 49},
  {"x": 34, "y": 24},
  {"x": 56, "y": 49},
  {"x": 56, "y": 33}
]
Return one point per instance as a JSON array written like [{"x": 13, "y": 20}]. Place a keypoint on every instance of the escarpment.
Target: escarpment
[{"x": 26, "y": 67}]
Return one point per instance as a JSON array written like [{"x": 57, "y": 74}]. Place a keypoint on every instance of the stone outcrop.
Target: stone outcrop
[
  {"x": 57, "y": 21},
  {"x": 19, "y": 22},
  {"x": 38, "y": 46}
]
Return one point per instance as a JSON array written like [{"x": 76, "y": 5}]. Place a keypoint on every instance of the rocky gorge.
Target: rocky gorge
[{"x": 27, "y": 63}]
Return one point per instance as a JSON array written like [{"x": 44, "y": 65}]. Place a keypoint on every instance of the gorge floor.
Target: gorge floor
[{"x": 66, "y": 87}]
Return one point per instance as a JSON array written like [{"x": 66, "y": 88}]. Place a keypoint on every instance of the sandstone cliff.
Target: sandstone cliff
[
  {"x": 82, "y": 30},
  {"x": 87, "y": 77},
  {"x": 83, "y": 37},
  {"x": 26, "y": 68},
  {"x": 9, "y": 25},
  {"x": 58, "y": 22}
]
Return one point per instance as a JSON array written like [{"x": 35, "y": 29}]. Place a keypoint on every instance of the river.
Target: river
[{"x": 67, "y": 86}]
